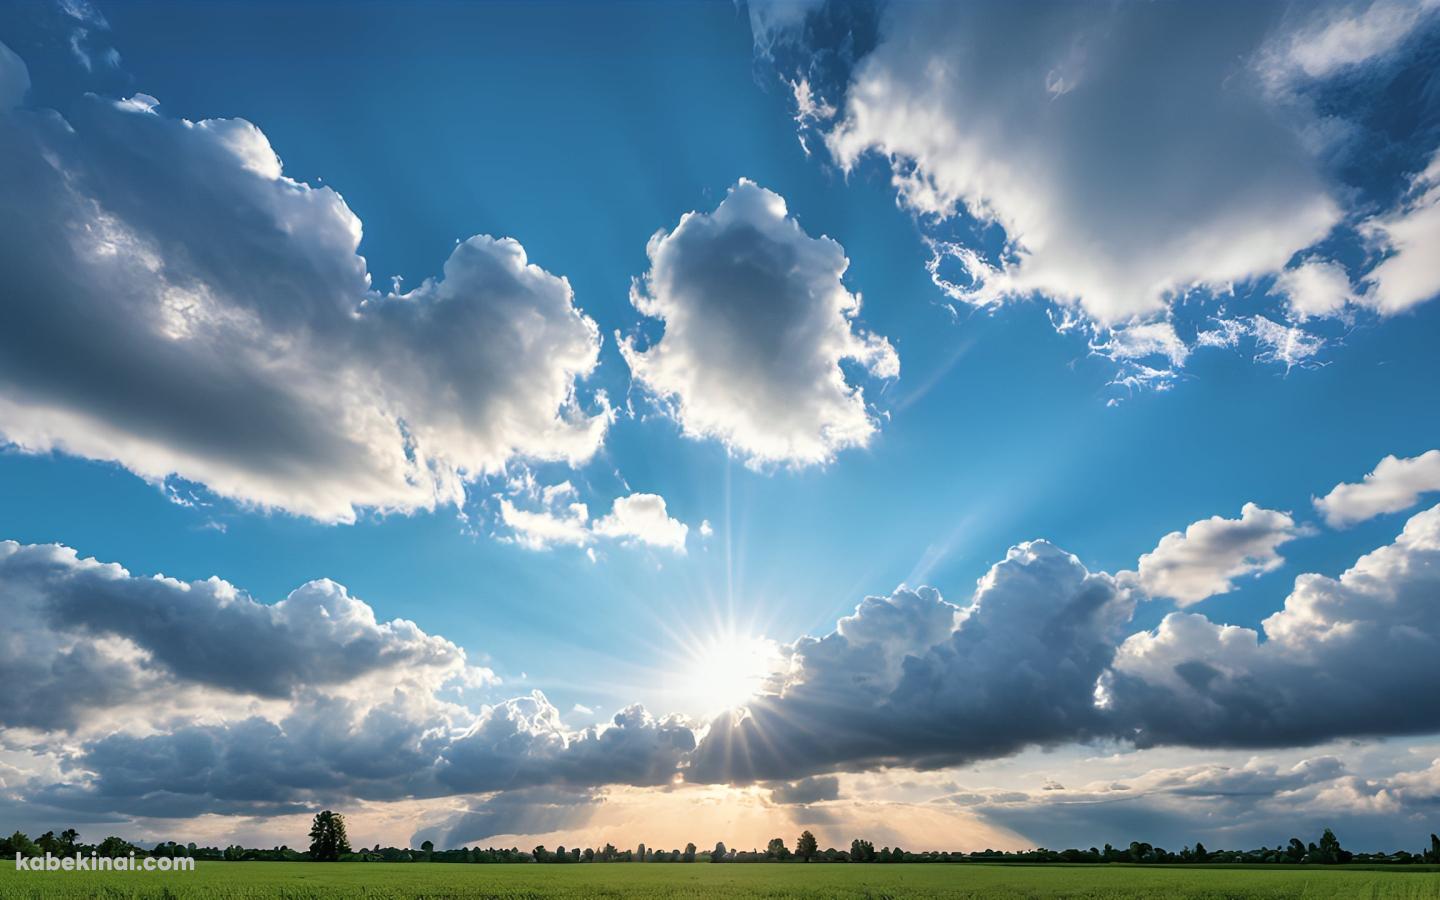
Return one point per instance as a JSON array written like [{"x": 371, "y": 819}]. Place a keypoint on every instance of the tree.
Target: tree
[
  {"x": 1330, "y": 852},
  {"x": 20, "y": 843},
  {"x": 689, "y": 853},
  {"x": 862, "y": 851},
  {"x": 1200, "y": 853},
  {"x": 1433, "y": 854},
  {"x": 327, "y": 837},
  {"x": 805, "y": 845},
  {"x": 68, "y": 837},
  {"x": 776, "y": 849},
  {"x": 718, "y": 854},
  {"x": 428, "y": 848}
]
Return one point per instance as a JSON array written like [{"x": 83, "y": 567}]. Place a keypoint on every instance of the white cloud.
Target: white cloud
[
  {"x": 643, "y": 518},
  {"x": 232, "y": 337},
  {"x": 562, "y": 520},
  {"x": 14, "y": 79},
  {"x": 1055, "y": 123},
  {"x": 1336, "y": 39},
  {"x": 1395, "y": 485},
  {"x": 1314, "y": 289},
  {"x": 1362, "y": 642},
  {"x": 1410, "y": 273},
  {"x": 757, "y": 323},
  {"x": 1211, "y": 554}
]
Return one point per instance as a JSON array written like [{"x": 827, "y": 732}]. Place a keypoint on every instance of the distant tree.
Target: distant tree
[
  {"x": 561, "y": 854},
  {"x": 327, "y": 837},
  {"x": 20, "y": 843},
  {"x": 590, "y": 854},
  {"x": 1433, "y": 854},
  {"x": 689, "y": 853},
  {"x": 608, "y": 853},
  {"x": 862, "y": 851},
  {"x": 640, "y": 853},
  {"x": 68, "y": 837},
  {"x": 1330, "y": 852},
  {"x": 540, "y": 853},
  {"x": 776, "y": 849},
  {"x": 1200, "y": 853},
  {"x": 115, "y": 847},
  {"x": 718, "y": 854},
  {"x": 1296, "y": 851},
  {"x": 428, "y": 848},
  {"x": 805, "y": 846}
]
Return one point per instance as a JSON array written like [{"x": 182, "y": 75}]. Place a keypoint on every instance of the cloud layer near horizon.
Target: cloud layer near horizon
[{"x": 276, "y": 708}]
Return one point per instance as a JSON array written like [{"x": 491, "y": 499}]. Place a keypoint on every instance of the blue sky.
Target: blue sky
[{"x": 581, "y": 130}]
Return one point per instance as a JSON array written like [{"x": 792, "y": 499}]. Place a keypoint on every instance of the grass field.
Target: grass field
[{"x": 437, "y": 880}]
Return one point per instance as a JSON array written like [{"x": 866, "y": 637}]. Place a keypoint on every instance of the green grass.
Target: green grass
[{"x": 437, "y": 880}]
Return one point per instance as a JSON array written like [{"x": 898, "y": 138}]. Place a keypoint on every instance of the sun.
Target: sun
[{"x": 725, "y": 670}]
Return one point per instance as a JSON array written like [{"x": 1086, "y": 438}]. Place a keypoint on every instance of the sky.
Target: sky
[{"x": 959, "y": 425}]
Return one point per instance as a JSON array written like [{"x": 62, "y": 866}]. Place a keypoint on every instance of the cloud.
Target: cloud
[
  {"x": 562, "y": 520},
  {"x": 14, "y": 79},
  {"x": 757, "y": 323},
  {"x": 806, "y": 790},
  {"x": 530, "y": 811},
  {"x": 643, "y": 518},
  {"x": 277, "y": 709},
  {"x": 1343, "y": 37},
  {"x": 1211, "y": 554},
  {"x": 1051, "y": 123},
  {"x": 1395, "y": 485},
  {"x": 177, "y": 305},
  {"x": 85, "y": 635},
  {"x": 1044, "y": 148},
  {"x": 1341, "y": 659},
  {"x": 912, "y": 680},
  {"x": 1315, "y": 289},
  {"x": 1409, "y": 274}
]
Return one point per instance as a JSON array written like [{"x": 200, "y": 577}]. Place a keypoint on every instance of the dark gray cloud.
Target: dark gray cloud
[
  {"x": 174, "y": 303},
  {"x": 913, "y": 680},
  {"x": 807, "y": 790},
  {"x": 86, "y": 634},
  {"x": 1344, "y": 657},
  {"x": 530, "y": 811},
  {"x": 1257, "y": 804},
  {"x": 1038, "y": 657}
]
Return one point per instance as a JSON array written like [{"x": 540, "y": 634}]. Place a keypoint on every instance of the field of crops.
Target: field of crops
[{"x": 343, "y": 880}]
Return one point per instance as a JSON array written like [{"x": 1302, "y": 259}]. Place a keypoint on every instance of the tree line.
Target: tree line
[{"x": 329, "y": 842}]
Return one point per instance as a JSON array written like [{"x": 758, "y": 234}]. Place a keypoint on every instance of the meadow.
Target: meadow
[{"x": 302, "y": 881}]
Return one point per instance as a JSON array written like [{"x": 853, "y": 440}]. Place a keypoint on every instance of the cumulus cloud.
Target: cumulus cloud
[
  {"x": 1342, "y": 658},
  {"x": 178, "y": 305},
  {"x": 913, "y": 680},
  {"x": 1409, "y": 274},
  {"x": 1044, "y": 149},
  {"x": 757, "y": 323},
  {"x": 562, "y": 520},
  {"x": 1208, "y": 556},
  {"x": 643, "y": 518},
  {"x": 85, "y": 634},
  {"x": 1395, "y": 485},
  {"x": 1048, "y": 121},
  {"x": 281, "y": 708},
  {"x": 1314, "y": 289}
]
